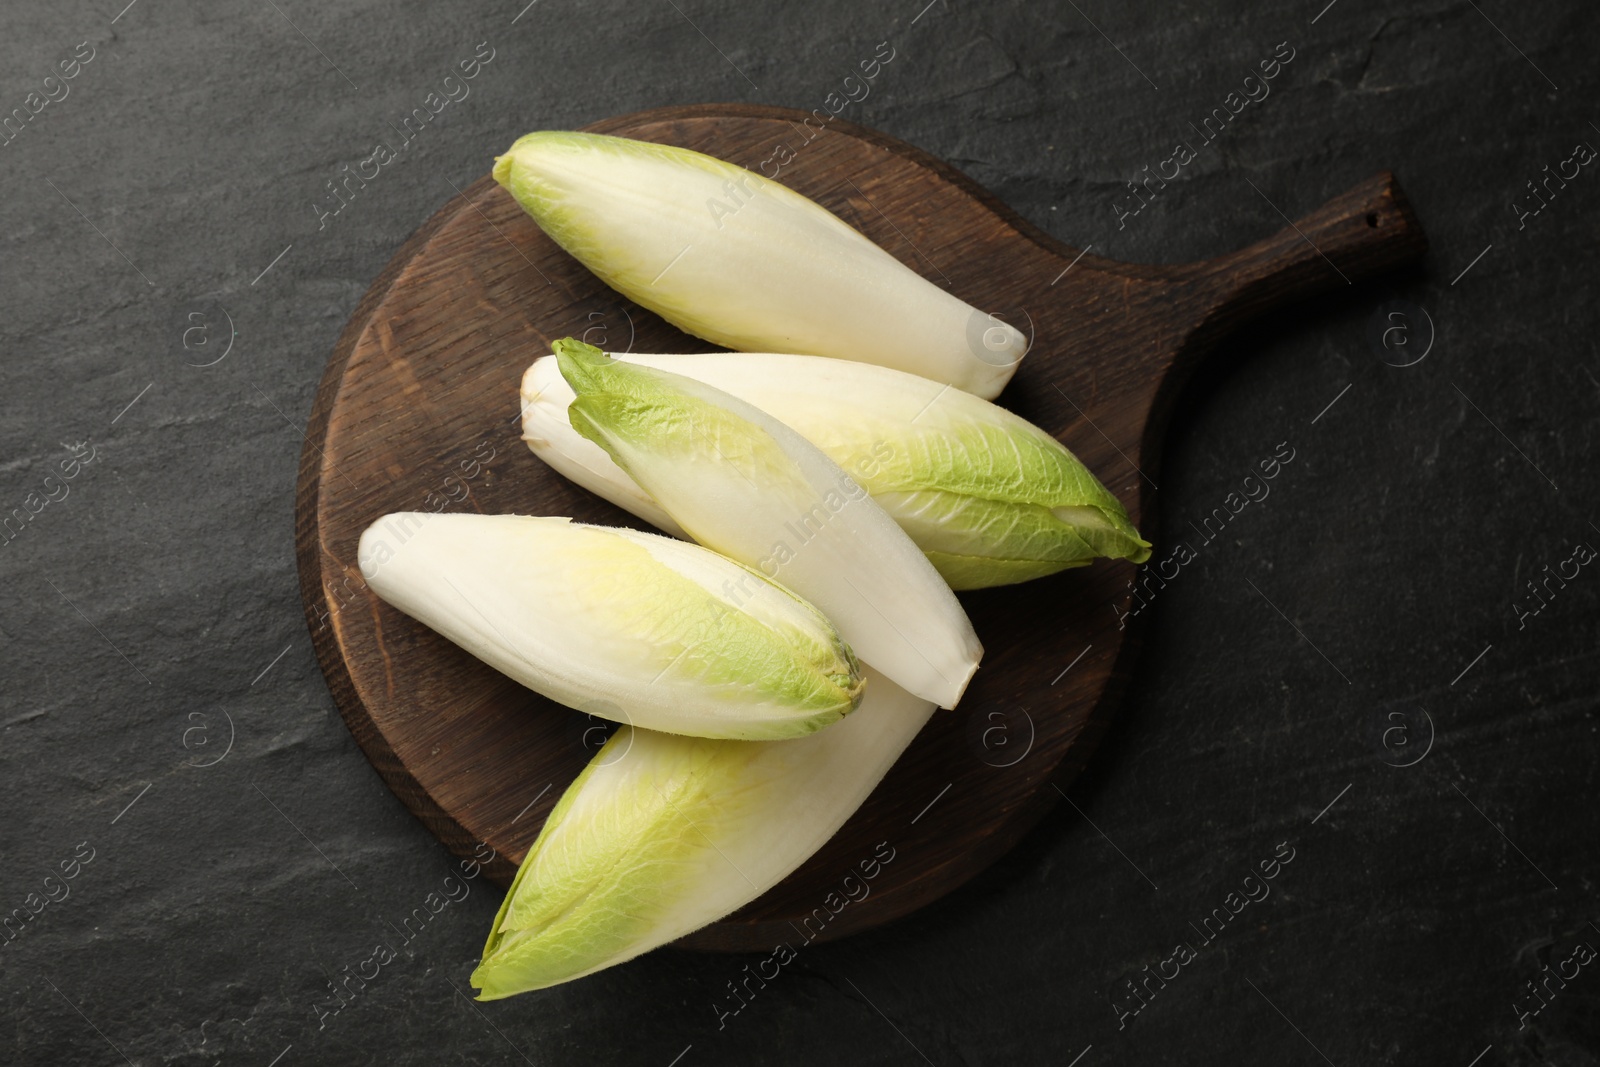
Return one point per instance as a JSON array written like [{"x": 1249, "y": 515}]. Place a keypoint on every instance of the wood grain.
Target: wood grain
[{"x": 417, "y": 411}]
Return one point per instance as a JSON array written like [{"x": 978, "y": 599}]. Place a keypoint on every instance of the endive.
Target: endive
[
  {"x": 727, "y": 255},
  {"x": 741, "y": 482},
  {"x": 990, "y": 498},
  {"x": 662, "y": 834},
  {"x": 626, "y": 625}
]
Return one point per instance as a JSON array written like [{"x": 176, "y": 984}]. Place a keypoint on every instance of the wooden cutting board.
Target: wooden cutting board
[{"x": 417, "y": 411}]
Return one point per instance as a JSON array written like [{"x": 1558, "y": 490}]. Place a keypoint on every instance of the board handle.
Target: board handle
[{"x": 1364, "y": 231}]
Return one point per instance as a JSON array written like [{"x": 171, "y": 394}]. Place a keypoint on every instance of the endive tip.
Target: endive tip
[
  {"x": 572, "y": 347},
  {"x": 503, "y": 164},
  {"x": 578, "y": 360},
  {"x": 531, "y": 142}
]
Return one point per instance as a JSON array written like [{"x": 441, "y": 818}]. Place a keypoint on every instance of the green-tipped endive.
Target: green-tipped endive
[
  {"x": 728, "y": 255},
  {"x": 739, "y": 481},
  {"x": 630, "y": 626},
  {"x": 661, "y": 835},
  {"x": 989, "y": 497}
]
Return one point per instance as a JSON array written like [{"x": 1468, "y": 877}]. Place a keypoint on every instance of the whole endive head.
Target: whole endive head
[
  {"x": 662, "y": 834},
  {"x": 746, "y": 262},
  {"x": 990, "y": 498},
  {"x": 630, "y": 626}
]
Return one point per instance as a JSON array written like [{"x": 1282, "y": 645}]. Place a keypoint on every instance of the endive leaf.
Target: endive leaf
[
  {"x": 725, "y": 254},
  {"x": 744, "y": 484},
  {"x": 990, "y": 498},
  {"x": 629, "y": 626},
  {"x": 661, "y": 835}
]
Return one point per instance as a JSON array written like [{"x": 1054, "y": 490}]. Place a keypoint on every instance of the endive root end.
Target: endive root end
[{"x": 961, "y": 687}]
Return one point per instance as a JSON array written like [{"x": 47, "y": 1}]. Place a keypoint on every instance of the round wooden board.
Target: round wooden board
[{"x": 418, "y": 411}]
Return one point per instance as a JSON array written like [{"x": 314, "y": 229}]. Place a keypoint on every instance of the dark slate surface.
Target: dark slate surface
[{"x": 1376, "y": 589}]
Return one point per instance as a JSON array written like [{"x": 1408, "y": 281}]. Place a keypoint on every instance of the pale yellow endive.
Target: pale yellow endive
[
  {"x": 990, "y": 498},
  {"x": 661, "y": 835},
  {"x": 728, "y": 255},
  {"x": 630, "y": 626}
]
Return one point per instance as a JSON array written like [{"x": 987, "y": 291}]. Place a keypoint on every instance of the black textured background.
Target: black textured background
[{"x": 156, "y": 603}]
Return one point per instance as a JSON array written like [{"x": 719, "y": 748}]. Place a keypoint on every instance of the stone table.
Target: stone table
[{"x": 1355, "y": 686}]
